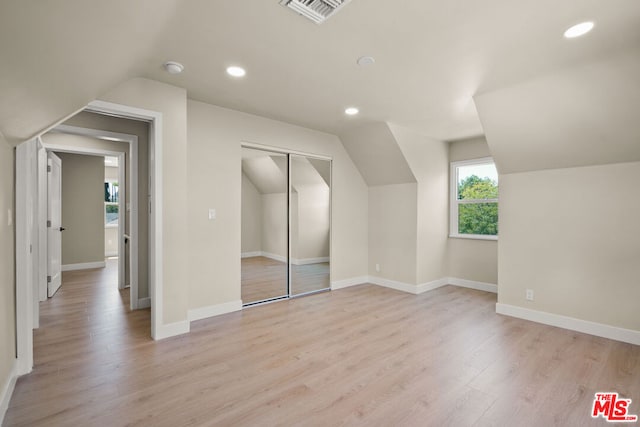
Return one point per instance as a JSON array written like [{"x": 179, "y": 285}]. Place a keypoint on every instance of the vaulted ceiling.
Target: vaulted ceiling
[{"x": 432, "y": 58}]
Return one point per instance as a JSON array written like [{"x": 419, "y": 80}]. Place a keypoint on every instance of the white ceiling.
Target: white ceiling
[
  {"x": 432, "y": 57},
  {"x": 582, "y": 116}
]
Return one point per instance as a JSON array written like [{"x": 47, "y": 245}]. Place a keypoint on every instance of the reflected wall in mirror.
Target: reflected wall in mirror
[
  {"x": 264, "y": 226},
  {"x": 310, "y": 213}
]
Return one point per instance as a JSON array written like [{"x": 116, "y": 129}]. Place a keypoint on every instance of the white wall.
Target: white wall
[
  {"x": 111, "y": 173},
  {"x": 470, "y": 259},
  {"x": 428, "y": 159},
  {"x": 311, "y": 232},
  {"x": 392, "y": 232},
  {"x": 7, "y": 264},
  {"x": 82, "y": 208},
  {"x": 111, "y": 241},
  {"x": 274, "y": 224},
  {"x": 214, "y": 180},
  {"x": 573, "y": 236},
  {"x": 171, "y": 101},
  {"x": 251, "y": 217}
]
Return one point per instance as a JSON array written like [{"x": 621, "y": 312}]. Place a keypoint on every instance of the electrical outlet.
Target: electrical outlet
[
  {"x": 529, "y": 295},
  {"x": 377, "y": 268}
]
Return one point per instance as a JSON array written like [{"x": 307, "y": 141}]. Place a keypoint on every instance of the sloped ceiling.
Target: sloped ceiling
[
  {"x": 304, "y": 173},
  {"x": 268, "y": 171},
  {"x": 584, "y": 115},
  {"x": 323, "y": 168},
  {"x": 432, "y": 57},
  {"x": 263, "y": 171},
  {"x": 375, "y": 152},
  {"x": 57, "y": 56}
]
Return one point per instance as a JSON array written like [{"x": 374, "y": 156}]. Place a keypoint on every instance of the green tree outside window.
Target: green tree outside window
[{"x": 481, "y": 217}]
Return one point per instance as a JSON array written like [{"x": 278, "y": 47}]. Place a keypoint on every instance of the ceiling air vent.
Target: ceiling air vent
[{"x": 316, "y": 10}]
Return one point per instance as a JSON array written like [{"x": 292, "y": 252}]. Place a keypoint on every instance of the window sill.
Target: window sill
[
  {"x": 473, "y": 237},
  {"x": 111, "y": 226}
]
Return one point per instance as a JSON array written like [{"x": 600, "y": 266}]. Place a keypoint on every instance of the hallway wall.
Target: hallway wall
[
  {"x": 82, "y": 208},
  {"x": 7, "y": 265}
]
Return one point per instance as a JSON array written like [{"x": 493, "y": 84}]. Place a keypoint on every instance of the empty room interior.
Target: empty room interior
[{"x": 319, "y": 212}]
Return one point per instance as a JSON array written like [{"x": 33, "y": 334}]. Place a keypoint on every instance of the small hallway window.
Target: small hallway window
[{"x": 111, "y": 199}]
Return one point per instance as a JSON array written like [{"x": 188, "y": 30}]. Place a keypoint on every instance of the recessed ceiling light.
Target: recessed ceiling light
[
  {"x": 236, "y": 71},
  {"x": 173, "y": 67},
  {"x": 351, "y": 111},
  {"x": 366, "y": 60},
  {"x": 579, "y": 29}
]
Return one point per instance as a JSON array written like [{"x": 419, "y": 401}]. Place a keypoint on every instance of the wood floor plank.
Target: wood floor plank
[{"x": 363, "y": 355}]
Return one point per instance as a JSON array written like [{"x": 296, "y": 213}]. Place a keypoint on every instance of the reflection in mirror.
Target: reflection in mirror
[
  {"x": 264, "y": 225},
  {"x": 310, "y": 224}
]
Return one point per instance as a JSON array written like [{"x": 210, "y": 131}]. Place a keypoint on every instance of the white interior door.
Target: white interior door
[
  {"x": 42, "y": 175},
  {"x": 54, "y": 224}
]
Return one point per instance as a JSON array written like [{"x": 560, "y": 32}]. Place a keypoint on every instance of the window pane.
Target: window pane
[
  {"x": 111, "y": 192},
  {"x": 478, "y": 182},
  {"x": 111, "y": 214},
  {"x": 478, "y": 218}
]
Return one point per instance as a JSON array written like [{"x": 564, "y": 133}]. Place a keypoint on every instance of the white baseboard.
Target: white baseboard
[
  {"x": 472, "y": 284},
  {"x": 598, "y": 329},
  {"x": 345, "y": 283},
  {"x": 280, "y": 258},
  {"x": 407, "y": 287},
  {"x": 84, "y": 266},
  {"x": 7, "y": 390},
  {"x": 214, "y": 310},
  {"x": 144, "y": 303},
  {"x": 429, "y": 286},
  {"x": 274, "y": 256},
  {"x": 394, "y": 284},
  {"x": 250, "y": 254},
  {"x": 306, "y": 261},
  {"x": 415, "y": 289},
  {"x": 172, "y": 329}
]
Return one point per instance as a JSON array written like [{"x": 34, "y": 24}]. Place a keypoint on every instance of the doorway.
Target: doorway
[
  {"x": 286, "y": 224},
  {"x": 111, "y": 160},
  {"x": 30, "y": 243}
]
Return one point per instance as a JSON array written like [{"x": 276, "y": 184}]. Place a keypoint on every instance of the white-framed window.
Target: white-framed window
[
  {"x": 111, "y": 206},
  {"x": 474, "y": 199}
]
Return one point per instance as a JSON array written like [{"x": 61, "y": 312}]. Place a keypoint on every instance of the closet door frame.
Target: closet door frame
[{"x": 289, "y": 153}]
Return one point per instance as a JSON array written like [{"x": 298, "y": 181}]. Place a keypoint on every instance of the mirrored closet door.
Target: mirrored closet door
[
  {"x": 264, "y": 226},
  {"x": 286, "y": 224},
  {"x": 309, "y": 210}
]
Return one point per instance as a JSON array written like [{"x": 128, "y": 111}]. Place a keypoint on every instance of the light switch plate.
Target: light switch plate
[{"x": 212, "y": 214}]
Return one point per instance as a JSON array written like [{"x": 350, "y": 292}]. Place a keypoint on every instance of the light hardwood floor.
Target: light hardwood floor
[
  {"x": 364, "y": 355},
  {"x": 264, "y": 278}
]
